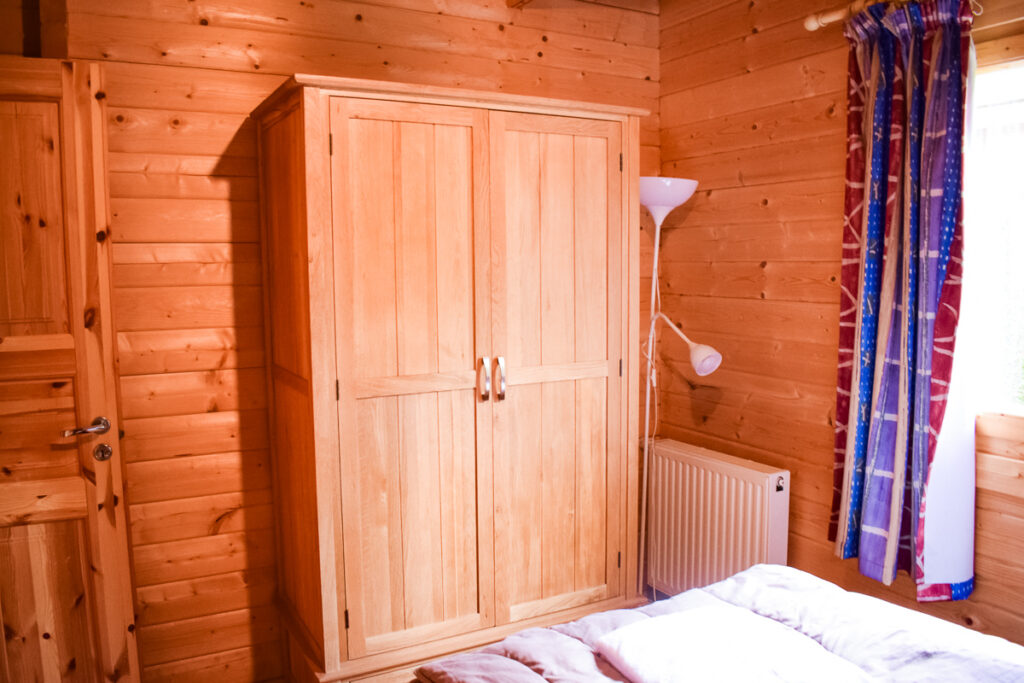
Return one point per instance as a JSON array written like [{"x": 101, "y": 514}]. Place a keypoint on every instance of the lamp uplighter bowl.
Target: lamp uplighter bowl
[{"x": 660, "y": 195}]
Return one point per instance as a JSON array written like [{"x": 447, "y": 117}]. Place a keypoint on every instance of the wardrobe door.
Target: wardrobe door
[
  {"x": 411, "y": 246},
  {"x": 558, "y": 324}
]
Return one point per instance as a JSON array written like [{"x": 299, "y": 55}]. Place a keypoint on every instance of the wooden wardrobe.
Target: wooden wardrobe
[{"x": 452, "y": 295}]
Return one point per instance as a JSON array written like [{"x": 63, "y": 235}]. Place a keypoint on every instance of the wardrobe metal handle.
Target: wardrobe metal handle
[
  {"x": 100, "y": 425},
  {"x": 499, "y": 372},
  {"x": 485, "y": 364}
]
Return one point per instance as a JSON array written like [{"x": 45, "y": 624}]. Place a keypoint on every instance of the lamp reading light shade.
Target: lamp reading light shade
[{"x": 704, "y": 359}]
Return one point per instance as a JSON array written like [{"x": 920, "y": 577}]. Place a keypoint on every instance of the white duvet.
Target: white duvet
[
  {"x": 772, "y": 623},
  {"x": 721, "y": 643}
]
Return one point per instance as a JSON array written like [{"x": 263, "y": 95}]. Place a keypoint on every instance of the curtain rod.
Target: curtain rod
[{"x": 822, "y": 19}]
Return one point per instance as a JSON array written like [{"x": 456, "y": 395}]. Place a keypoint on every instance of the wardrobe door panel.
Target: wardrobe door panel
[
  {"x": 407, "y": 229},
  {"x": 557, "y": 235}
]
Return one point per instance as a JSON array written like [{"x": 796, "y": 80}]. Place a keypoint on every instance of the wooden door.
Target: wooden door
[
  {"x": 409, "y": 183},
  {"x": 558, "y": 240},
  {"x": 65, "y": 586}
]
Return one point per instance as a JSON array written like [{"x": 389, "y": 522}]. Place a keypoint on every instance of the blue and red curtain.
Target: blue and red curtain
[{"x": 901, "y": 267}]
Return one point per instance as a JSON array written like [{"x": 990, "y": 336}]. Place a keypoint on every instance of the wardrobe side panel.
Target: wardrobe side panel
[{"x": 284, "y": 211}]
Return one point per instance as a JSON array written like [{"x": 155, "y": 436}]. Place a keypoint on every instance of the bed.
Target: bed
[{"x": 768, "y": 623}]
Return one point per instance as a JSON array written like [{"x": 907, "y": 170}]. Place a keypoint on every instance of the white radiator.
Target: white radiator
[{"x": 711, "y": 516}]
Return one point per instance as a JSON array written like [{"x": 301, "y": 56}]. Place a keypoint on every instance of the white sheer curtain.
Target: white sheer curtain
[
  {"x": 993, "y": 292},
  {"x": 988, "y": 371}
]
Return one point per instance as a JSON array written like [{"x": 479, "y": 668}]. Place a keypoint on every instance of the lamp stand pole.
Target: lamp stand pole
[{"x": 658, "y": 218}]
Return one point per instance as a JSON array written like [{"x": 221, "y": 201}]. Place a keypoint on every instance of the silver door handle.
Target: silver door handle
[
  {"x": 100, "y": 425},
  {"x": 485, "y": 364},
  {"x": 499, "y": 372}
]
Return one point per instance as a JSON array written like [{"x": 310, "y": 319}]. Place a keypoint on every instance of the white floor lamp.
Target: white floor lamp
[{"x": 660, "y": 196}]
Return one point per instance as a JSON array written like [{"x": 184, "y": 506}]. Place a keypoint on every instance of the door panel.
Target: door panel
[
  {"x": 46, "y": 621},
  {"x": 32, "y": 416},
  {"x": 556, "y": 240},
  {"x": 32, "y": 243},
  {"x": 408, "y": 222},
  {"x": 61, "y": 510}
]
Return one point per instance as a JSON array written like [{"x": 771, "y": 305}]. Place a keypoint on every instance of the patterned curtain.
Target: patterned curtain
[{"x": 901, "y": 264}]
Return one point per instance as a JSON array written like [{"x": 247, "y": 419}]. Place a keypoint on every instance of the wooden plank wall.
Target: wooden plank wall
[
  {"x": 753, "y": 105},
  {"x": 12, "y": 37},
  {"x": 182, "y": 77}
]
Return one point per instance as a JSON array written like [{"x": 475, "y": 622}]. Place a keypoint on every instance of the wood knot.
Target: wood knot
[
  {"x": 204, "y": 22},
  {"x": 90, "y": 317},
  {"x": 101, "y": 236},
  {"x": 100, "y": 95}
]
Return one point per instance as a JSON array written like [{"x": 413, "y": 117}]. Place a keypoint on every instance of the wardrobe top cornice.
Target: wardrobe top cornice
[{"x": 427, "y": 94}]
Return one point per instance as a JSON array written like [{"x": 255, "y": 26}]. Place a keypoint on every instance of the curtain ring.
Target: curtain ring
[{"x": 976, "y": 8}]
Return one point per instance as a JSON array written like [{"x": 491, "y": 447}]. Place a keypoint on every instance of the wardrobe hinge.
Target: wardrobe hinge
[
  {"x": 346, "y": 618},
  {"x": 337, "y": 390},
  {"x": 620, "y": 367},
  {"x": 620, "y": 559},
  {"x": 330, "y": 145},
  {"x": 620, "y": 162}
]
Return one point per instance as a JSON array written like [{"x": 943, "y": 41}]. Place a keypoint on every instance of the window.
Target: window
[{"x": 992, "y": 326}]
